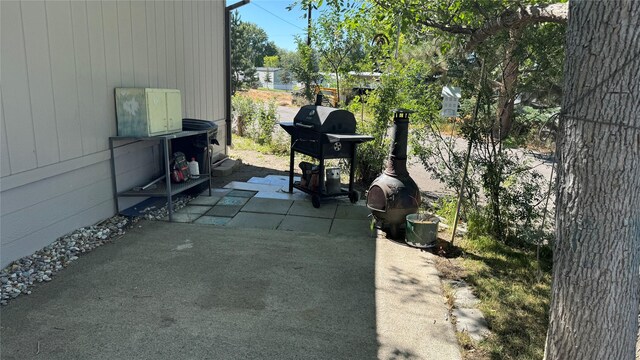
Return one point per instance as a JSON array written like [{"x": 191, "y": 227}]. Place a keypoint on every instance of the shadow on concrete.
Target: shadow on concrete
[{"x": 185, "y": 291}]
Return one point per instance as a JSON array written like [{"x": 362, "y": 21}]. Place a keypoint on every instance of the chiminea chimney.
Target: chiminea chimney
[{"x": 393, "y": 195}]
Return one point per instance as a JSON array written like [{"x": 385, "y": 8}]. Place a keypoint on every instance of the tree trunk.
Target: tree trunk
[
  {"x": 507, "y": 94},
  {"x": 596, "y": 285}
]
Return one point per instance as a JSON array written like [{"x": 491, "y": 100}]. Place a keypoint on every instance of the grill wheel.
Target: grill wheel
[
  {"x": 354, "y": 196},
  {"x": 315, "y": 201}
]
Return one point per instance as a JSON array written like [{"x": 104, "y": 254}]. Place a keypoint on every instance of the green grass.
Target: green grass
[
  {"x": 273, "y": 90},
  {"x": 275, "y": 148},
  {"x": 245, "y": 143},
  {"x": 446, "y": 208},
  {"x": 514, "y": 296}
]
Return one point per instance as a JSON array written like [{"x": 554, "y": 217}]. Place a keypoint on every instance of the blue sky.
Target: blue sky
[{"x": 280, "y": 24}]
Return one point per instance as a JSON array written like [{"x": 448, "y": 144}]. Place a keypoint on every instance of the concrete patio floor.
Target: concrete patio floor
[{"x": 194, "y": 291}]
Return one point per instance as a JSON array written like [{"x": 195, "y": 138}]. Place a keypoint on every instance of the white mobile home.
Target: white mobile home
[
  {"x": 60, "y": 63},
  {"x": 271, "y": 78}
]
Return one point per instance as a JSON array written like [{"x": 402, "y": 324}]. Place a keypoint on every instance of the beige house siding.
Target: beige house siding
[{"x": 60, "y": 62}]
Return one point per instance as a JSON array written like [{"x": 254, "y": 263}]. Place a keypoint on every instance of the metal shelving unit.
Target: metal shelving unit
[{"x": 166, "y": 188}]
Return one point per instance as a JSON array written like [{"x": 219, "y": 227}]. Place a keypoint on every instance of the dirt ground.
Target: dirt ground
[{"x": 282, "y": 98}]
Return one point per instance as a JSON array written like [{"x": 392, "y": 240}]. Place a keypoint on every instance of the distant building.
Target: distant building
[
  {"x": 450, "y": 101},
  {"x": 274, "y": 77}
]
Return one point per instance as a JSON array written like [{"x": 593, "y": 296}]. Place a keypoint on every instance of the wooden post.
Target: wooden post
[{"x": 466, "y": 160}]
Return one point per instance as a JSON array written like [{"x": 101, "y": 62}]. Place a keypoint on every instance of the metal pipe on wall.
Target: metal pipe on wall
[{"x": 227, "y": 65}]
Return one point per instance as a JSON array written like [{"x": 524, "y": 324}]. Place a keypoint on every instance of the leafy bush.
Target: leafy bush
[
  {"x": 527, "y": 125},
  {"x": 280, "y": 142},
  {"x": 244, "y": 112},
  {"x": 257, "y": 120},
  {"x": 446, "y": 208},
  {"x": 478, "y": 223},
  {"x": 380, "y": 103},
  {"x": 503, "y": 195},
  {"x": 266, "y": 121}
]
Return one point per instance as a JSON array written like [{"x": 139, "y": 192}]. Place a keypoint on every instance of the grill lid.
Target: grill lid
[{"x": 325, "y": 119}]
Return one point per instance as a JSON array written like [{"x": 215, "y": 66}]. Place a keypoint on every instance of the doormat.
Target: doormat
[{"x": 150, "y": 204}]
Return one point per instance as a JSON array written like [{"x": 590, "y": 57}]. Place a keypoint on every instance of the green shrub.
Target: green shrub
[
  {"x": 267, "y": 120},
  {"x": 256, "y": 120},
  {"x": 380, "y": 103},
  {"x": 280, "y": 142},
  {"x": 446, "y": 208},
  {"x": 244, "y": 112},
  {"x": 478, "y": 223}
]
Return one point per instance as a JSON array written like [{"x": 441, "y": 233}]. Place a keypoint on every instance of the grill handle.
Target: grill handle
[{"x": 306, "y": 126}]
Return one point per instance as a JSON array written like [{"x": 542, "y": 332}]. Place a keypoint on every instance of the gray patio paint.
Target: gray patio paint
[{"x": 61, "y": 61}]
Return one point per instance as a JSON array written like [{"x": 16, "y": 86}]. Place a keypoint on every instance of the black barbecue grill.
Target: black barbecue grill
[{"x": 323, "y": 133}]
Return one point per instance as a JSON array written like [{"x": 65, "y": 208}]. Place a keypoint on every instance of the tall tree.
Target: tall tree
[
  {"x": 336, "y": 42},
  {"x": 287, "y": 59},
  {"x": 242, "y": 67},
  {"x": 249, "y": 45},
  {"x": 596, "y": 286},
  {"x": 499, "y": 26},
  {"x": 305, "y": 68},
  {"x": 270, "y": 62},
  {"x": 258, "y": 43},
  {"x": 521, "y": 52}
]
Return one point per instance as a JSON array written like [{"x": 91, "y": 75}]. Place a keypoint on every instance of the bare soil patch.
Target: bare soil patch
[{"x": 282, "y": 98}]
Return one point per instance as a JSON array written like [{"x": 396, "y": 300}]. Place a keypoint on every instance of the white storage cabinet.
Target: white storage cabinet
[{"x": 144, "y": 112}]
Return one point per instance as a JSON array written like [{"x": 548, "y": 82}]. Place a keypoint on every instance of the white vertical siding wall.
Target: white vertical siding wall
[{"x": 60, "y": 62}]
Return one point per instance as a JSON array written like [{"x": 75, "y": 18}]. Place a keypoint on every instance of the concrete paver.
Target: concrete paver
[
  {"x": 216, "y": 192},
  {"x": 182, "y": 217},
  {"x": 305, "y": 208},
  {"x": 253, "y": 187},
  {"x": 297, "y": 195},
  {"x": 472, "y": 322},
  {"x": 233, "y": 200},
  {"x": 205, "y": 200},
  {"x": 224, "y": 210},
  {"x": 212, "y": 220},
  {"x": 349, "y": 227},
  {"x": 193, "y": 209},
  {"x": 242, "y": 193},
  {"x": 352, "y": 211},
  {"x": 306, "y": 224},
  {"x": 268, "y": 206},
  {"x": 225, "y": 168},
  {"x": 464, "y": 295},
  {"x": 247, "y": 220},
  {"x": 280, "y": 180}
]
